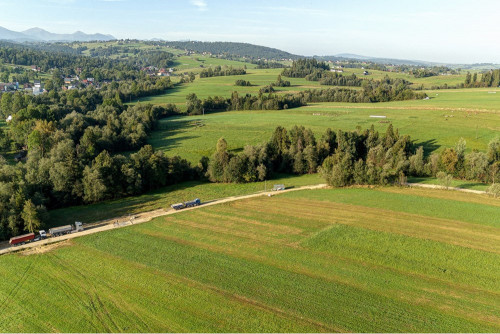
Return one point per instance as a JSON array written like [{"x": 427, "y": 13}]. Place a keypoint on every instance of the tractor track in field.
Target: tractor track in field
[{"x": 110, "y": 224}]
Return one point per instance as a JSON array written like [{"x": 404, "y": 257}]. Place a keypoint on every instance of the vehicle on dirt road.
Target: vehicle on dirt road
[
  {"x": 66, "y": 229},
  {"x": 25, "y": 238},
  {"x": 190, "y": 204}
]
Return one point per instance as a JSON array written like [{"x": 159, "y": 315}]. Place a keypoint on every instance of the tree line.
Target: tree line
[
  {"x": 221, "y": 71},
  {"x": 488, "y": 79},
  {"x": 335, "y": 79},
  {"x": 301, "y": 68},
  {"x": 350, "y": 157}
]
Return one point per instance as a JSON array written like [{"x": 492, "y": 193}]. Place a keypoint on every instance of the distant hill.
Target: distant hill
[
  {"x": 41, "y": 35},
  {"x": 386, "y": 61},
  {"x": 393, "y": 61},
  {"x": 232, "y": 48}
]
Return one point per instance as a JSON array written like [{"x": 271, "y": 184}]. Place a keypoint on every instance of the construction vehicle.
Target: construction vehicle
[{"x": 190, "y": 204}]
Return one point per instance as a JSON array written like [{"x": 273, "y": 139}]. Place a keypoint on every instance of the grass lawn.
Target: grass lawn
[{"x": 350, "y": 260}]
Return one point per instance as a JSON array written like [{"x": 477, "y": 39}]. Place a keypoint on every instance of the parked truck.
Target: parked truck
[
  {"x": 190, "y": 204},
  {"x": 21, "y": 239},
  {"x": 66, "y": 229},
  {"x": 25, "y": 238}
]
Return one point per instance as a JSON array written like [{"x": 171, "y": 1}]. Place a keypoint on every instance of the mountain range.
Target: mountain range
[{"x": 41, "y": 35}]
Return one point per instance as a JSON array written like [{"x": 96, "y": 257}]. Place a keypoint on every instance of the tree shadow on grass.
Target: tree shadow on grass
[
  {"x": 147, "y": 99},
  {"x": 167, "y": 135},
  {"x": 428, "y": 145},
  {"x": 471, "y": 185}
]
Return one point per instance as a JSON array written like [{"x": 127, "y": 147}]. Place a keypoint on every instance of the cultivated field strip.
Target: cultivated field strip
[
  {"x": 437, "y": 229},
  {"x": 292, "y": 263}
]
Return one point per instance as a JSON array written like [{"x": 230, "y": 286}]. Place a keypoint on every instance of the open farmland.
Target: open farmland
[
  {"x": 224, "y": 85},
  {"x": 323, "y": 260},
  {"x": 437, "y": 123}
]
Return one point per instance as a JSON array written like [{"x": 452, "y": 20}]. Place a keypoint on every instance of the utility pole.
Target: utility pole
[{"x": 265, "y": 185}]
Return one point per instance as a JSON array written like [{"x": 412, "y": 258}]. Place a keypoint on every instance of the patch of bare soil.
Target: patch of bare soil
[{"x": 46, "y": 248}]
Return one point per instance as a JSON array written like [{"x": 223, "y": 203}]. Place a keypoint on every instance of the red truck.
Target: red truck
[{"x": 21, "y": 239}]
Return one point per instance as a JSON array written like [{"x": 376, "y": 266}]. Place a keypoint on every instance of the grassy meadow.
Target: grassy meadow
[
  {"x": 473, "y": 114},
  {"x": 334, "y": 260}
]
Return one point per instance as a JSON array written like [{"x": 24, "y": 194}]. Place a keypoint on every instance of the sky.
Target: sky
[{"x": 448, "y": 31}]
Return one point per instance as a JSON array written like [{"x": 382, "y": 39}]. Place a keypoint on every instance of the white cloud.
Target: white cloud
[{"x": 201, "y": 4}]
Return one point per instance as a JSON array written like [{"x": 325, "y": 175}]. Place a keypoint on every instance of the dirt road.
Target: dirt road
[
  {"x": 42, "y": 245},
  {"x": 435, "y": 186}
]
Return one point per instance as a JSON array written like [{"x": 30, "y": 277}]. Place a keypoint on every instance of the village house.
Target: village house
[
  {"x": 9, "y": 87},
  {"x": 37, "y": 87}
]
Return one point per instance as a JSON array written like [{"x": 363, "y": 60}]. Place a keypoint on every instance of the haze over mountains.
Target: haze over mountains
[{"x": 41, "y": 35}]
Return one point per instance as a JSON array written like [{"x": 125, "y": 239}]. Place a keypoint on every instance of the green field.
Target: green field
[
  {"x": 361, "y": 260},
  {"x": 224, "y": 85},
  {"x": 473, "y": 114}
]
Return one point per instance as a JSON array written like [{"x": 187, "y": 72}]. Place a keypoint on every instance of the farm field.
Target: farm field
[
  {"x": 224, "y": 85},
  {"x": 473, "y": 114},
  {"x": 332, "y": 260}
]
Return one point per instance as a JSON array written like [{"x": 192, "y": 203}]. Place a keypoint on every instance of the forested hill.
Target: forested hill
[{"x": 231, "y": 48}]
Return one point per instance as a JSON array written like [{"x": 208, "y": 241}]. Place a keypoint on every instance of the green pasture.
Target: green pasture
[
  {"x": 338, "y": 260},
  {"x": 436, "y": 123},
  {"x": 193, "y": 63},
  {"x": 225, "y": 85}
]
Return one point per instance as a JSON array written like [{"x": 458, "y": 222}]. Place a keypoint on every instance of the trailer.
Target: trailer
[
  {"x": 61, "y": 230},
  {"x": 21, "y": 239},
  {"x": 66, "y": 229},
  {"x": 190, "y": 204},
  {"x": 177, "y": 206}
]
